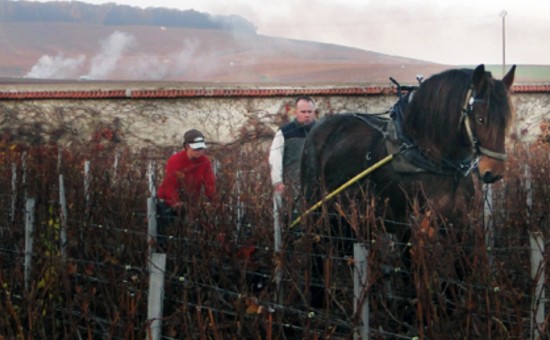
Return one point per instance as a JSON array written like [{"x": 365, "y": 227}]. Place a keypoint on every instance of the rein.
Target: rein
[{"x": 341, "y": 188}]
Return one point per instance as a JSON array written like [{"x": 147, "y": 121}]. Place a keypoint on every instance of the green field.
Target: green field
[{"x": 524, "y": 73}]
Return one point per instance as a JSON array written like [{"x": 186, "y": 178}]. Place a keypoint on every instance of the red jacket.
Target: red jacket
[{"x": 185, "y": 178}]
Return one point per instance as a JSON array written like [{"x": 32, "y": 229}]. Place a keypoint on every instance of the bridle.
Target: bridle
[
  {"x": 467, "y": 110},
  {"x": 408, "y": 150}
]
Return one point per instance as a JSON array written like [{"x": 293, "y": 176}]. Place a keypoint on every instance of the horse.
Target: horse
[{"x": 441, "y": 132}]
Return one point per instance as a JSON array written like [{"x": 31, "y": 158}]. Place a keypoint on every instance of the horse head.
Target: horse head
[
  {"x": 475, "y": 103},
  {"x": 488, "y": 115}
]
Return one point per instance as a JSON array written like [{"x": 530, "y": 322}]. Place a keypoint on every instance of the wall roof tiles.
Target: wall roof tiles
[{"x": 125, "y": 93}]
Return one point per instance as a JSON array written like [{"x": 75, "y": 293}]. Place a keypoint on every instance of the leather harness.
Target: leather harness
[{"x": 409, "y": 157}]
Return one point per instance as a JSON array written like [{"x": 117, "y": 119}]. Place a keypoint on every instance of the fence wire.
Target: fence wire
[{"x": 220, "y": 272}]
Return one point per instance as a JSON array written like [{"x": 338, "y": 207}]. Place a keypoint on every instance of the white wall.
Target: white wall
[{"x": 162, "y": 121}]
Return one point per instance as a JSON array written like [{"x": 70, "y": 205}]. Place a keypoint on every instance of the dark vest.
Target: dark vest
[{"x": 294, "y": 134}]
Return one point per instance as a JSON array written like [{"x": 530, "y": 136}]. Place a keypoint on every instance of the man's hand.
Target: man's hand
[{"x": 279, "y": 187}]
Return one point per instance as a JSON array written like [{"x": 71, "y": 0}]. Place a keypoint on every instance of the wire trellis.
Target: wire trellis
[{"x": 220, "y": 270}]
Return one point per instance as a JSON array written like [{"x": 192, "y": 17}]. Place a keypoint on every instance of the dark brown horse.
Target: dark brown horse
[{"x": 452, "y": 125}]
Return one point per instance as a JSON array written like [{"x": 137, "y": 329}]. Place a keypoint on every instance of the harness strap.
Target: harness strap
[
  {"x": 467, "y": 109},
  {"x": 493, "y": 154},
  {"x": 414, "y": 160},
  {"x": 376, "y": 122}
]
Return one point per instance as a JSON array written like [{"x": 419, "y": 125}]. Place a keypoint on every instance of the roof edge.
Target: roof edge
[{"x": 202, "y": 92}]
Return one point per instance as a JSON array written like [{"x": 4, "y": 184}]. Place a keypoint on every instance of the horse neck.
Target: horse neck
[{"x": 432, "y": 120}]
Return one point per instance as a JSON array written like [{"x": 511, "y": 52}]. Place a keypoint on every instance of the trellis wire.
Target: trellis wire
[{"x": 89, "y": 224}]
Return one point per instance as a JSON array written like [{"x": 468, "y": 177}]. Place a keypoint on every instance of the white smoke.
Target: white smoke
[
  {"x": 112, "y": 49},
  {"x": 101, "y": 65},
  {"x": 146, "y": 68},
  {"x": 185, "y": 57},
  {"x": 197, "y": 60},
  {"x": 57, "y": 67},
  {"x": 193, "y": 61}
]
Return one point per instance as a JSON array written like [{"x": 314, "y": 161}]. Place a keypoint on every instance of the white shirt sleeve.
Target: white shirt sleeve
[{"x": 276, "y": 157}]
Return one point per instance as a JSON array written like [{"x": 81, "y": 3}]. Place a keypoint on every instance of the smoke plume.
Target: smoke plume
[{"x": 57, "y": 67}]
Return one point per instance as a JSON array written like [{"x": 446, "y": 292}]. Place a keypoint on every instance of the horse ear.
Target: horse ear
[
  {"x": 509, "y": 77},
  {"x": 477, "y": 78}
]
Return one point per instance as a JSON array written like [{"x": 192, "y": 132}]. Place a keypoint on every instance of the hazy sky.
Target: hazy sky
[{"x": 443, "y": 31}]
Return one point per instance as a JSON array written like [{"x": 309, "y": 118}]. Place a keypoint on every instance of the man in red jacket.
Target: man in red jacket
[{"x": 188, "y": 176}]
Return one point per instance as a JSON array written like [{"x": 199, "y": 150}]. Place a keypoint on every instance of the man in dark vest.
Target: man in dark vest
[{"x": 286, "y": 150}]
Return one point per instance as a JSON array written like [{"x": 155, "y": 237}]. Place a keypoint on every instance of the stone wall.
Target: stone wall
[
  {"x": 162, "y": 121},
  {"x": 532, "y": 115}
]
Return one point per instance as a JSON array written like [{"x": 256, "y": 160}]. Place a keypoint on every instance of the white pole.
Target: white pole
[
  {"x": 503, "y": 15},
  {"x": 156, "y": 295},
  {"x": 151, "y": 178},
  {"x": 13, "y": 190},
  {"x": 239, "y": 203},
  {"x": 63, "y": 229},
  {"x": 277, "y": 206},
  {"x": 87, "y": 182},
  {"x": 151, "y": 210},
  {"x": 29, "y": 231},
  {"x": 216, "y": 167},
  {"x": 115, "y": 166},
  {"x": 151, "y": 224},
  {"x": 488, "y": 220},
  {"x": 24, "y": 176},
  {"x": 529, "y": 190},
  {"x": 59, "y": 158},
  {"x": 360, "y": 301},
  {"x": 538, "y": 274}
]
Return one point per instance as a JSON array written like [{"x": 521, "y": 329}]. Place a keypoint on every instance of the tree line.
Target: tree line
[{"x": 111, "y": 14}]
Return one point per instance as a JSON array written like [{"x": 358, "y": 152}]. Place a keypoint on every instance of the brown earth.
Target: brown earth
[{"x": 194, "y": 55}]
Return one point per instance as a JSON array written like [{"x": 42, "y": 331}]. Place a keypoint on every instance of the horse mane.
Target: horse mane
[{"x": 433, "y": 117}]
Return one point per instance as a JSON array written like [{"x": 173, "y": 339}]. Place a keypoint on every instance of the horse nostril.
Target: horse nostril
[{"x": 488, "y": 177}]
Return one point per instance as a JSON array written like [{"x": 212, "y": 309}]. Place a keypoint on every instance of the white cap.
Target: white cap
[
  {"x": 195, "y": 139},
  {"x": 198, "y": 143}
]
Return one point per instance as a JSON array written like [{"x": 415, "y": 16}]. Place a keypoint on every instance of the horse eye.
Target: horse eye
[{"x": 480, "y": 120}]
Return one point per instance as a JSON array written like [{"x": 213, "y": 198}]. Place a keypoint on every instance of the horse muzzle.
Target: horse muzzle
[
  {"x": 488, "y": 177},
  {"x": 490, "y": 169}
]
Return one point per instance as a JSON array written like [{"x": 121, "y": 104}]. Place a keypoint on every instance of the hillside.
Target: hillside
[
  {"x": 90, "y": 51},
  {"x": 74, "y": 40}
]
